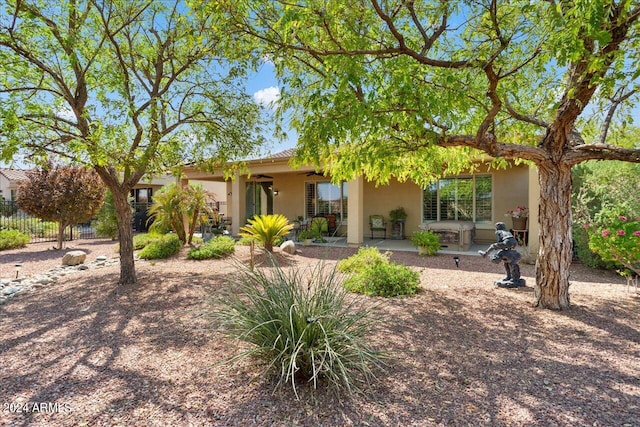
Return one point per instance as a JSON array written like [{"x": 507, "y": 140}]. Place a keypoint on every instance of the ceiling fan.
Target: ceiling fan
[
  {"x": 312, "y": 173},
  {"x": 261, "y": 176}
]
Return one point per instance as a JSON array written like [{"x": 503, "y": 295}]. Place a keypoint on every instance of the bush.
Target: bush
[
  {"x": 385, "y": 279},
  {"x": 161, "y": 248},
  {"x": 214, "y": 248},
  {"x": 143, "y": 239},
  {"x": 427, "y": 242},
  {"x": 585, "y": 254},
  {"x": 106, "y": 220},
  {"x": 245, "y": 241},
  {"x": 11, "y": 239},
  {"x": 617, "y": 239},
  {"x": 373, "y": 274},
  {"x": 365, "y": 256},
  {"x": 301, "y": 326}
]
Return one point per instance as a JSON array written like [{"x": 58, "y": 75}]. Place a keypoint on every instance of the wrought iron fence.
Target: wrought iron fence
[
  {"x": 40, "y": 231},
  {"x": 47, "y": 231}
]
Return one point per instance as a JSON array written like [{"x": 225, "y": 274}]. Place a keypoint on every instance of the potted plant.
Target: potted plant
[
  {"x": 398, "y": 214},
  {"x": 306, "y": 237},
  {"x": 519, "y": 217},
  {"x": 427, "y": 242}
]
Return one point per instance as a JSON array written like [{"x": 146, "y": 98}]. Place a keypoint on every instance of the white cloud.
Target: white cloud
[
  {"x": 267, "y": 97},
  {"x": 66, "y": 113}
]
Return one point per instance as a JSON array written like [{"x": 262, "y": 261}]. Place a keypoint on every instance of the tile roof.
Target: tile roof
[
  {"x": 15, "y": 174},
  {"x": 282, "y": 154}
]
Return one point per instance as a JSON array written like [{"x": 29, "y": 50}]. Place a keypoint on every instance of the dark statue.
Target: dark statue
[{"x": 505, "y": 247}]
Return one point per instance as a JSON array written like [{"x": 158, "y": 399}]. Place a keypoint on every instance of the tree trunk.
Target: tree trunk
[
  {"x": 61, "y": 227},
  {"x": 125, "y": 237},
  {"x": 556, "y": 242}
]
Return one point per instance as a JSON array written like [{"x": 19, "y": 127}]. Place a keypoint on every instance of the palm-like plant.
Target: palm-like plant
[
  {"x": 167, "y": 211},
  {"x": 266, "y": 229},
  {"x": 172, "y": 204}
]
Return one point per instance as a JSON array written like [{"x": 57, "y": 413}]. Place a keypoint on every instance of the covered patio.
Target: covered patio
[{"x": 397, "y": 245}]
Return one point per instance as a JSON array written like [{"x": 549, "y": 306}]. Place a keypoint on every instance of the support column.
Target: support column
[
  {"x": 236, "y": 206},
  {"x": 355, "y": 206}
]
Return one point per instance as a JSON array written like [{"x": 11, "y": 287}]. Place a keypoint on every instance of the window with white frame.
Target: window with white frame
[
  {"x": 324, "y": 198},
  {"x": 459, "y": 199}
]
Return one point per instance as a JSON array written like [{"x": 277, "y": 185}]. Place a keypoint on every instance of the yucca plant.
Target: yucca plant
[
  {"x": 301, "y": 325},
  {"x": 266, "y": 229}
]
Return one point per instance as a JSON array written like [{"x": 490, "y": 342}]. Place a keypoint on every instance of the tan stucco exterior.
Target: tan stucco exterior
[{"x": 511, "y": 187}]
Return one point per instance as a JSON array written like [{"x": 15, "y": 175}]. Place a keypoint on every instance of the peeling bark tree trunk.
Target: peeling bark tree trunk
[
  {"x": 125, "y": 237},
  {"x": 556, "y": 243}
]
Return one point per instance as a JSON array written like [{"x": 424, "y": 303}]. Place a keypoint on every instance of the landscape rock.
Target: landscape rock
[
  {"x": 13, "y": 287},
  {"x": 74, "y": 258},
  {"x": 289, "y": 247}
]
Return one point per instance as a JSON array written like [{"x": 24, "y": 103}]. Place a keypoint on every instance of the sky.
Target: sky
[{"x": 263, "y": 87}]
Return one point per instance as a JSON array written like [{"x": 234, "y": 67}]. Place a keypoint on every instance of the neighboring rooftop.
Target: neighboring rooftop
[{"x": 15, "y": 174}]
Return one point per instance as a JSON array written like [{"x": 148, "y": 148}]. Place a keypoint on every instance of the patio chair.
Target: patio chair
[
  {"x": 331, "y": 224},
  {"x": 377, "y": 223}
]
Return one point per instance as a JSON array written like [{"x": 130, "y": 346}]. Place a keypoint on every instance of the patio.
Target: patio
[{"x": 399, "y": 245}]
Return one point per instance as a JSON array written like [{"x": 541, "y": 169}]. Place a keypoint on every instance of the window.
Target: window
[
  {"x": 459, "y": 199},
  {"x": 324, "y": 198}
]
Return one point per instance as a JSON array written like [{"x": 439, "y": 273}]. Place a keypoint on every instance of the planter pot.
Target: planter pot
[
  {"x": 397, "y": 229},
  {"x": 307, "y": 242},
  {"x": 520, "y": 223}
]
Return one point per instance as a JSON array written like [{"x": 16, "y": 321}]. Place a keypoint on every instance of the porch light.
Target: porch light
[
  {"x": 18, "y": 267},
  {"x": 276, "y": 192}
]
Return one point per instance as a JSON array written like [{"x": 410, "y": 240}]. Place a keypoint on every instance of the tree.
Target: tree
[
  {"x": 67, "y": 195},
  {"x": 419, "y": 89},
  {"x": 129, "y": 87}
]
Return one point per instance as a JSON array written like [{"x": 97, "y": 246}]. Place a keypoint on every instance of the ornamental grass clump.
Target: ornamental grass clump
[{"x": 301, "y": 326}]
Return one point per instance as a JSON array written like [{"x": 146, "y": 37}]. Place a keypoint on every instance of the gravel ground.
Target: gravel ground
[{"x": 85, "y": 351}]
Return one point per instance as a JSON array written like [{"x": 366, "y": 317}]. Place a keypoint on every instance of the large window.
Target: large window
[
  {"x": 459, "y": 199},
  {"x": 323, "y": 198}
]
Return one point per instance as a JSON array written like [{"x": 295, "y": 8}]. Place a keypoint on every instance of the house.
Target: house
[
  {"x": 10, "y": 180},
  {"x": 480, "y": 199}
]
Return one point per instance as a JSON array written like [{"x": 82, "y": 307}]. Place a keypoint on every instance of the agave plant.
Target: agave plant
[{"x": 266, "y": 229}]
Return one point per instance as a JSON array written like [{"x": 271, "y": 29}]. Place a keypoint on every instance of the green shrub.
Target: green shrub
[
  {"x": 143, "y": 239},
  {"x": 161, "y": 248},
  {"x": 584, "y": 253},
  {"x": 11, "y": 239},
  {"x": 106, "y": 220},
  {"x": 33, "y": 227},
  {"x": 214, "y": 248},
  {"x": 427, "y": 242},
  {"x": 365, "y": 256},
  {"x": 300, "y": 325},
  {"x": 245, "y": 241},
  {"x": 386, "y": 279}
]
